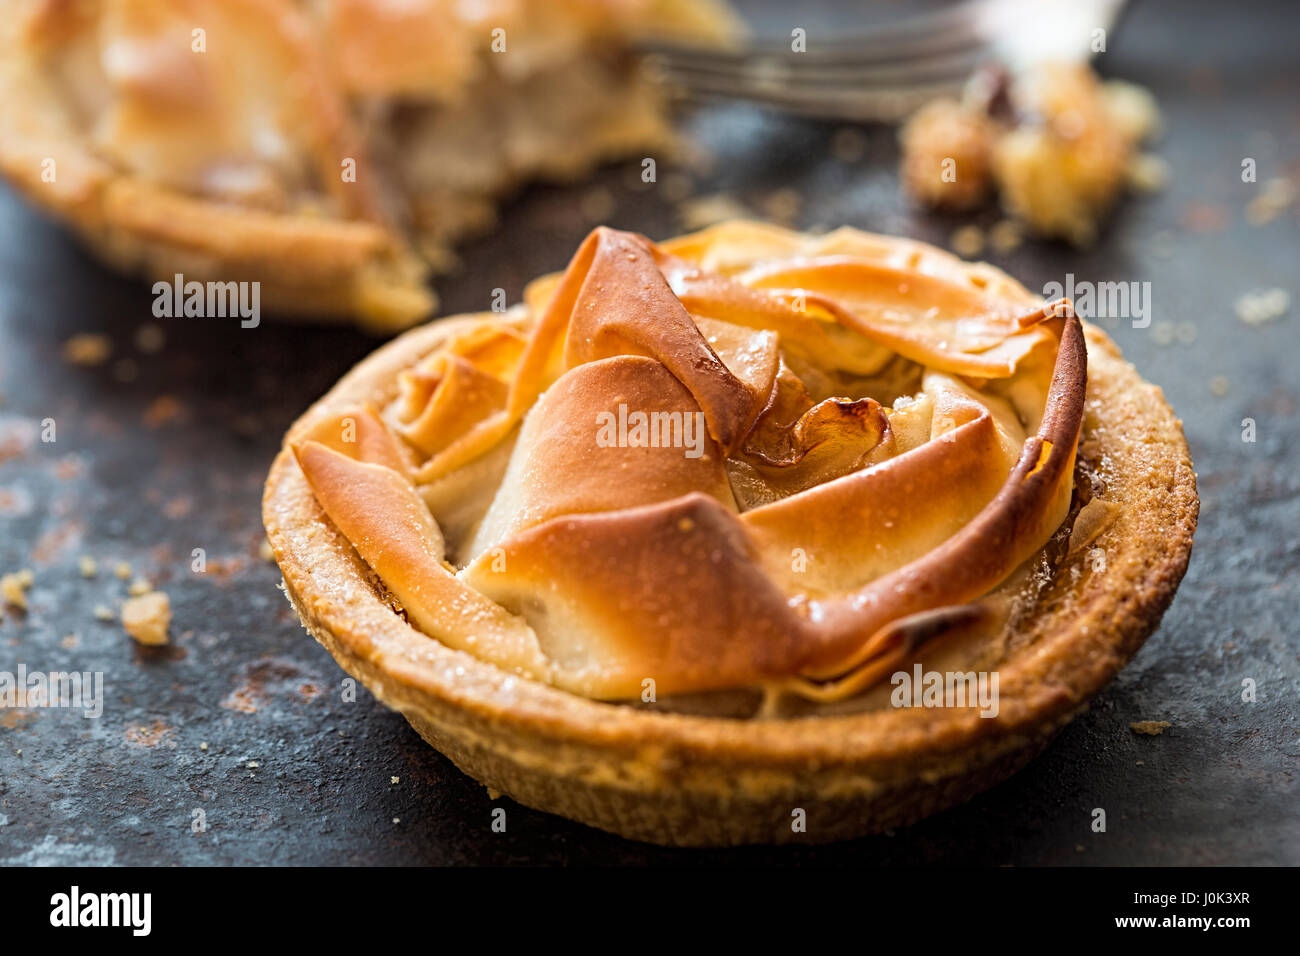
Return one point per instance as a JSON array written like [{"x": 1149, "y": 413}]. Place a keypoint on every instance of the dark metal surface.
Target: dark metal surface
[{"x": 146, "y": 470}]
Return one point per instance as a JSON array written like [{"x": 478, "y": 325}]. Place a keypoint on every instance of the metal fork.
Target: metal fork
[{"x": 885, "y": 74}]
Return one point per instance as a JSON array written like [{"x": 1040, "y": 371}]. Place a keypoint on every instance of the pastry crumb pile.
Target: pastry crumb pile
[{"x": 1056, "y": 145}]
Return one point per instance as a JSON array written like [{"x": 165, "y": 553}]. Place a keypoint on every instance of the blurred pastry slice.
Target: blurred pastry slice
[{"x": 332, "y": 150}]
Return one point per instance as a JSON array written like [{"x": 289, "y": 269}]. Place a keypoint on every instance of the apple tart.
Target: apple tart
[
  {"x": 704, "y": 534},
  {"x": 331, "y": 150}
]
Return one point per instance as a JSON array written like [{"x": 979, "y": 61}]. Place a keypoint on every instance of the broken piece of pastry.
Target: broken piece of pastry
[
  {"x": 332, "y": 150},
  {"x": 652, "y": 549},
  {"x": 1056, "y": 145}
]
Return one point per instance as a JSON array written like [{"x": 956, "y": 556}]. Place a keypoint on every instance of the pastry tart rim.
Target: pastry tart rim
[{"x": 497, "y": 726}]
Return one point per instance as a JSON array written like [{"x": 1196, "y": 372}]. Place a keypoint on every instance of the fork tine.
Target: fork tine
[
  {"x": 885, "y": 105},
  {"x": 769, "y": 72},
  {"x": 954, "y": 28},
  {"x": 890, "y": 72},
  {"x": 827, "y": 50},
  {"x": 864, "y": 92}
]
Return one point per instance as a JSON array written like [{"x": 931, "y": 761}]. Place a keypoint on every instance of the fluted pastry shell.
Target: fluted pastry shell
[{"x": 709, "y": 764}]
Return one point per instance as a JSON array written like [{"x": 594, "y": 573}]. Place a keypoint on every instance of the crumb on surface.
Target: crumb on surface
[
  {"x": 265, "y": 552},
  {"x": 103, "y": 612},
  {"x": 1275, "y": 196},
  {"x": 146, "y": 617},
  {"x": 13, "y": 588},
  {"x": 88, "y": 566},
  {"x": 138, "y": 587},
  {"x": 783, "y": 206},
  {"x": 394, "y": 779},
  {"x": 968, "y": 241},
  {"x": 1256, "y": 308},
  {"x": 122, "y": 570},
  {"x": 1219, "y": 386},
  {"x": 597, "y": 204},
  {"x": 88, "y": 349},
  {"x": 1006, "y": 235},
  {"x": 849, "y": 144},
  {"x": 698, "y": 159},
  {"x": 1147, "y": 173},
  {"x": 125, "y": 370},
  {"x": 163, "y": 410},
  {"x": 677, "y": 187},
  {"x": 150, "y": 338},
  {"x": 1149, "y": 728},
  {"x": 705, "y": 211}
]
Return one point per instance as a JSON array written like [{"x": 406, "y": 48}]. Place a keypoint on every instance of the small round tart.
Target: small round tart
[{"x": 747, "y": 536}]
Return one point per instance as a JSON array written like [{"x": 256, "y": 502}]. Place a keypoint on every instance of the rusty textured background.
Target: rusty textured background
[{"x": 147, "y": 469}]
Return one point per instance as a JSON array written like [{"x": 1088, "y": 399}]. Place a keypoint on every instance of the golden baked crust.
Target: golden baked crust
[
  {"x": 227, "y": 162},
  {"x": 694, "y": 778}
]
